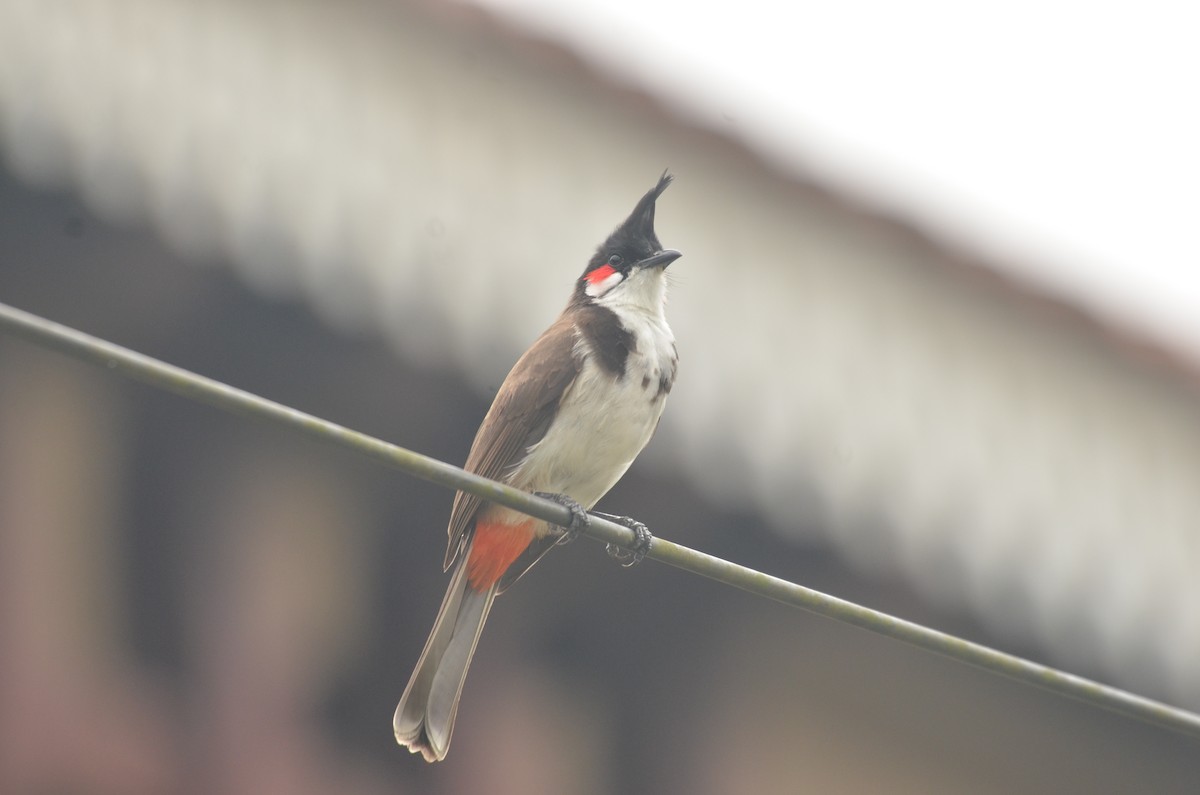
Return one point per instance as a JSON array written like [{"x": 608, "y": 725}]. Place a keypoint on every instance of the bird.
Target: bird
[{"x": 566, "y": 423}]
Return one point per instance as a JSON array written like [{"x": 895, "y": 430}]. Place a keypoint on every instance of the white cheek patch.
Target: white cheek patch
[{"x": 598, "y": 287}]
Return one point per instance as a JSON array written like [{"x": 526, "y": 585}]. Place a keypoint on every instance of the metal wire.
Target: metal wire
[{"x": 151, "y": 371}]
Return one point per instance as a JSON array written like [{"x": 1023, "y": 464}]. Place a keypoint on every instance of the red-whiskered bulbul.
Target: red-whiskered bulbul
[{"x": 569, "y": 419}]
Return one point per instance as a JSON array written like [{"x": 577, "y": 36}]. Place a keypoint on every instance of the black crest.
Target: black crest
[
  {"x": 640, "y": 223},
  {"x": 635, "y": 238}
]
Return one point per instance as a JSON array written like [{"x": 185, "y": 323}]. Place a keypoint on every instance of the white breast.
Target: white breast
[{"x": 603, "y": 422}]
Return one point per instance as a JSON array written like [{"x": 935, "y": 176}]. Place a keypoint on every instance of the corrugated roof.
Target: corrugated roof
[{"x": 430, "y": 174}]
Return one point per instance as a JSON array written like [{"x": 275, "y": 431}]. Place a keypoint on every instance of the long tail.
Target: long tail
[{"x": 425, "y": 716}]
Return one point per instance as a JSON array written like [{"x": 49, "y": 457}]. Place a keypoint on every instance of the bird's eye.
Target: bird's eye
[{"x": 615, "y": 260}]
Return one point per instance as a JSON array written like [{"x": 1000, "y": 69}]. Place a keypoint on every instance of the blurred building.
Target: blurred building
[{"x": 367, "y": 210}]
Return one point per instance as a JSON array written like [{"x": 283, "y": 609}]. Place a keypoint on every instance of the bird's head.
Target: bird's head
[{"x": 628, "y": 267}]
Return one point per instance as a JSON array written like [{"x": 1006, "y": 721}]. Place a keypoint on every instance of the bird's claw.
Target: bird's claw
[
  {"x": 643, "y": 540},
  {"x": 579, "y": 516}
]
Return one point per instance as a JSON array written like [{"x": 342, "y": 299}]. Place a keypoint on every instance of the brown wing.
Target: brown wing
[{"x": 518, "y": 418}]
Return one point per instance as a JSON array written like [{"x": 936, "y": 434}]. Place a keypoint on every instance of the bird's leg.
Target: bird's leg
[
  {"x": 579, "y": 516},
  {"x": 643, "y": 539}
]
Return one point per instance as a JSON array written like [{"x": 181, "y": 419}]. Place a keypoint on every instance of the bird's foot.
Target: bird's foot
[
  {"x": 643, "y": 540},
  {"x": 579, "y": 516}
]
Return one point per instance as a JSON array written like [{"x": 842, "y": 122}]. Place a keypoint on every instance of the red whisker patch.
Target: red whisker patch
[{"x": 601, "y": 273}]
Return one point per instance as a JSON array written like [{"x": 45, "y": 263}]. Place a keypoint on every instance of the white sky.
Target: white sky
[{"x": 1061, "y": 136}]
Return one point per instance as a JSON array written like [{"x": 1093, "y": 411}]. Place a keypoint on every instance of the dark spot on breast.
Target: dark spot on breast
[
  {"x": 645, "y": 382},
  {"x": 611, "y": 342},
  {"x": 665, "y": 381}
]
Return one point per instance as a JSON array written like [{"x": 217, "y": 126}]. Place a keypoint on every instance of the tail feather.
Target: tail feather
[{"x": 424, "y": 718}]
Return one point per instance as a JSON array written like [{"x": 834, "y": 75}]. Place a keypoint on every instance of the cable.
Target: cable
[{"x": 151, "y": 371}]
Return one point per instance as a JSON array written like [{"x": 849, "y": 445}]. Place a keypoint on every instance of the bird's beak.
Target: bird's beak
[{"x": 660, "y": 260}]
